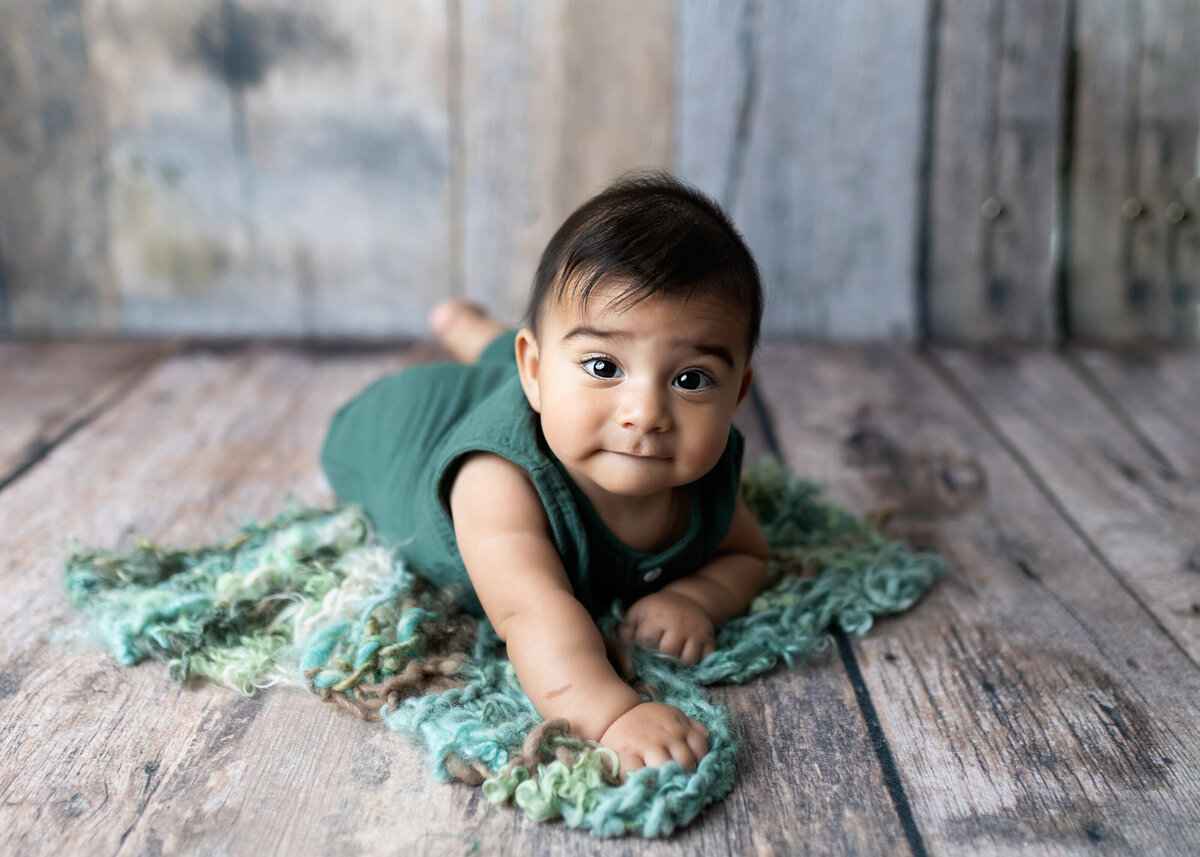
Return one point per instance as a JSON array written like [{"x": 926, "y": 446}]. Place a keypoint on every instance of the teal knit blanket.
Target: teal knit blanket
[{"x": 312, "y": 598}]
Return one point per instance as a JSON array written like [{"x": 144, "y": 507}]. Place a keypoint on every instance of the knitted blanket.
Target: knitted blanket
[{"x": 311, "y": 597}]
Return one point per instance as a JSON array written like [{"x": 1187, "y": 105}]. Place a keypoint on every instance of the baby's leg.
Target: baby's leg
[{"x": 464, "y": 328}]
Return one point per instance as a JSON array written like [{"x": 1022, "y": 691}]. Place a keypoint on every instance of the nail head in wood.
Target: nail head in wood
[
  {"x": 1175, "y": 212},
  {"x": 991, "y": 208}
]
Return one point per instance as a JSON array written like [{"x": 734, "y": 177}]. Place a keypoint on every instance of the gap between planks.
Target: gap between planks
[
  {"x": 988, "y": 692},
  {"x": 759, "y": 415},
  {"x": 98, "y": 376}
]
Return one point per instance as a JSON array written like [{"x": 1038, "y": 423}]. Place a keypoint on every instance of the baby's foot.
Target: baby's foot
[{"x": 463, "y": 328}]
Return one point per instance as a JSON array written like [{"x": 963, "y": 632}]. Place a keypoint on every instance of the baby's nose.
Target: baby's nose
[{"x": 644, "y": 407}]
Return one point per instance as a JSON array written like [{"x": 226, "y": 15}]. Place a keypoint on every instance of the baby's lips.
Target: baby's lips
[{"x": 651, "y": 454}]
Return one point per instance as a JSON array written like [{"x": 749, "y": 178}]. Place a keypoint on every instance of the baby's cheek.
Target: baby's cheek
[{"x": 709, "y": 449}]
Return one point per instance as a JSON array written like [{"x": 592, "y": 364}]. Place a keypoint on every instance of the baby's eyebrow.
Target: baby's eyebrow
[
  {"x": 719, "y": 351},
  {"x": 591, "y": 332}
]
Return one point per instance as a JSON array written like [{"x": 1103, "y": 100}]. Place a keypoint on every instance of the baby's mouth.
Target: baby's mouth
[{"x": 643, "y": 454}]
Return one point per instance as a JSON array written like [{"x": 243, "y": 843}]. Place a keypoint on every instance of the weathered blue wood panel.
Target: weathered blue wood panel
[
  {"x": 1134, "y": 253},
  {"x": 980, "y": 171},
  {"x": 285, "y": 171},
  {"x": 53, "y": 231},
  {"x": 996, "y": 155},
  {"x": 557, "y": 100},
  {"x": 806, "y": 119}
]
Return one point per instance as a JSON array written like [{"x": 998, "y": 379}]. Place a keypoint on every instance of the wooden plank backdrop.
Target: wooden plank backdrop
[
  {"x": 995, "y": 156},
  {"x": 965, "y": 171},
  {"x": 1135, "y": 201},
  {"x": 556, "y": 99},
  {"x": 812, "y": 145},
  {"x": 288, "y": 171},
  {"x": 54, "y": 253}
]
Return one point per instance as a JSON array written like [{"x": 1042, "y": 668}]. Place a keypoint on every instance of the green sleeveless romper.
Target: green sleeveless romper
[{"x": 396, "y": 447}]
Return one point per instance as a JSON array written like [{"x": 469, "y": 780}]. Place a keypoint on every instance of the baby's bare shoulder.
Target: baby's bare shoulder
[
  {"x": 487, "y": 470},
  {"x": 493, "y": 495},
  {"x": 504, "y": 537}
]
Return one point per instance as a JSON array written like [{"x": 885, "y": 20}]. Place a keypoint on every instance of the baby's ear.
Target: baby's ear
[
  {"x": 527, "y": 367},
  {"x": 747, "y": 380}
]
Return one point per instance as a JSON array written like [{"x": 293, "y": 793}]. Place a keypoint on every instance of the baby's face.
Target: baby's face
[{"x": 636, "y": 400}]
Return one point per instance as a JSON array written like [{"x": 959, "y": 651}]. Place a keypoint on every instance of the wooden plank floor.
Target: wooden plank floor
[{"x": 1043, "y": 699}]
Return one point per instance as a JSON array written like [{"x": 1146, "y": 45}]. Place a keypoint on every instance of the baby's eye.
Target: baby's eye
[
  {"x": 692, "y": 380},
  {"x": 599, "y": 367}
]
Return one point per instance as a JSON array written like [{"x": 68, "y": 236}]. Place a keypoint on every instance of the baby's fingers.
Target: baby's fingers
[
  {"x": 672, "y": 643},
  {"x": 697, "y": 649},
  {"x": 693, "y": 748},
  {"x": 649, "y": 638},
  {"x": 628, "y": 630},
  {"x": 693, "y": 651},
  {"x": 657, "y": 756},
  {"x": 681, "y": 750},
  {"x": 630, "y": 761},
  {"x": 698, "y": 744}
]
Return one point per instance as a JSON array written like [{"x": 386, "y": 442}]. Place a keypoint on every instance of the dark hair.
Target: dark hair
[{"x": 663, "y": 236}]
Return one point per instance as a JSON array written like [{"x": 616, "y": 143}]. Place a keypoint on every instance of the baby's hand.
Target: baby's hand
[
  {"x": 651, "y": 734},
  {"x": 672, "y": 623}
]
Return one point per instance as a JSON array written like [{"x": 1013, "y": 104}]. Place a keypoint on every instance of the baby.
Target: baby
[{"x": 601, "y": 464}]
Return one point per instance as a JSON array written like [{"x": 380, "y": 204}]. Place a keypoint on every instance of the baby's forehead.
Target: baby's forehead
[
  {"x": 617, "y": 300},
  {"x": 574, "y": 307}
]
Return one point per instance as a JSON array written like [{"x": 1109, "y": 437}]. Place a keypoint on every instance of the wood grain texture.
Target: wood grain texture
[
  {"x": 997, "y": 137},
  {"x": 1107, "y": 51},
  {"x": 808, "y": 776},
  {"x": 1134, "y": 262},
  {"x": 48, "y": 389},
  {"x": 717, "y": 81},
  {"x": 53, "y": 222},
  {"x": 1029, "y": 702},
  {"x": 251, "y": 167},
  {"x": 1167, "y": 165},
  {"x": 557, "y": 100},
  {"x": 812, "y": 139},
  {"x": 1141, "y": 515},
  {"x": 1158, "y": 395},
  {"x": 287, "y": 171},
  {"x": 203, "y": 441},
  {"x": 105, "y": 759}
]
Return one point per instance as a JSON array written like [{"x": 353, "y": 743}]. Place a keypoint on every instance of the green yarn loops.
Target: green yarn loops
[
  {"x": 311, "y": 598},
  {"x": 221, "y": 612}
]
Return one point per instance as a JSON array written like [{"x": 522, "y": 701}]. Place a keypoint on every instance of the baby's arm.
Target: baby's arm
[
  {"x": 504, "y": 537},
  {"x": 681, "y": 619}
]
